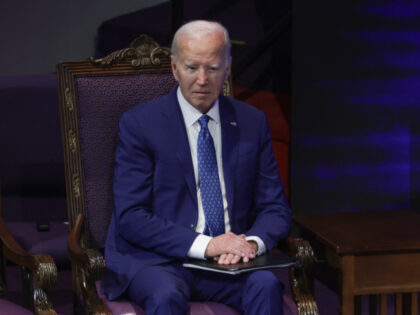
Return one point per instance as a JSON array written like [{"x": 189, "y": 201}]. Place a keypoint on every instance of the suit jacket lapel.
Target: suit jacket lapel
[
  {"x": 177, "y": 131},
  {"x": 230, "y": 143}
]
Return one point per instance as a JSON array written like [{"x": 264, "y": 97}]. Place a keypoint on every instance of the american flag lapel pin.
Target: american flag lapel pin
[{"x": 233, "y": 123}]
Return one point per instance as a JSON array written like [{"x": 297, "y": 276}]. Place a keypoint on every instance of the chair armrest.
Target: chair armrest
[
  {"x": 89, "y": 259},
  {"x": 43, "y": 267},
  {"x": 90, "y": 266},
  {"x": 300, "y": 283}
]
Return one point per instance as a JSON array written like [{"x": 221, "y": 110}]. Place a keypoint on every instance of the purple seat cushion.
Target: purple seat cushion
[
  {"x": 10, "y": 308},
  {"x": 52, "y": 242},
  {"x": 123, "y": 306}
]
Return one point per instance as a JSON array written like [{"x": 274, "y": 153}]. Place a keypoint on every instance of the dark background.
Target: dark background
[
  {"x": 352, "y": 69},
  {"x": 355, "y": 92}
]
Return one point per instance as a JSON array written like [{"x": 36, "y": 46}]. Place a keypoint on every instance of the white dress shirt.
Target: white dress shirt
[{"x": 191, "y": 116}]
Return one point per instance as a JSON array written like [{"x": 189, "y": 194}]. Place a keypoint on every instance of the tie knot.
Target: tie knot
[{"x": 204, "y": 121}]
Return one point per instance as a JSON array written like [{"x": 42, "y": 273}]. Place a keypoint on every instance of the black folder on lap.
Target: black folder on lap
[{"x": 267, "y": 261}]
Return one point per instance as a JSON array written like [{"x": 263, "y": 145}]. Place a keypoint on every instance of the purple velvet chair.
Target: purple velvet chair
[
  {"x": 42, "y": 267},
  {"x": 93, "y": 95}
]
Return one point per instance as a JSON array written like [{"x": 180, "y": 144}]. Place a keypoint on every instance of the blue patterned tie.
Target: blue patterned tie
[{"x": 211, "y": 195}]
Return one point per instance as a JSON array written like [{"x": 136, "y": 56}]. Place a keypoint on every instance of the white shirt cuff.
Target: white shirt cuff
[
  {"x": 199, "y": 246},
  {"x": 261, "y": 246}
]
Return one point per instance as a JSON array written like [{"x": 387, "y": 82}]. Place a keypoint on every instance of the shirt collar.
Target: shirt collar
[{"x": 192, "y": 114}]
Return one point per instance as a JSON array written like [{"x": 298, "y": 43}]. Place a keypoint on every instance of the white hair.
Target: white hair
[{"x": 199, "y": 29}]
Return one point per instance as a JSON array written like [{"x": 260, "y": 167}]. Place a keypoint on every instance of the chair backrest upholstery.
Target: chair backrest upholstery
[{"x": 93, "y": 95}]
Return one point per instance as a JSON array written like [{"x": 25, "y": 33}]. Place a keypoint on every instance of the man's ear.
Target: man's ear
[
  {"x": 228, "y": 69},
  {"x": 174, "y": 68}
]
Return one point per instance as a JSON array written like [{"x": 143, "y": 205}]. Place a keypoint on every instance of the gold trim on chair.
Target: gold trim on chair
[
  {"x": 143, "y": 51},
  {"x": 301, "y": 285},
  {"x": 69, "y": 99},
  {"x": 76, "y": 185},
  {"x": 72, "y": 141}
]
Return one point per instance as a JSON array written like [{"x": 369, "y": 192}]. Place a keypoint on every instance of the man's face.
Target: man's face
[{"x": 201, "y": 69}]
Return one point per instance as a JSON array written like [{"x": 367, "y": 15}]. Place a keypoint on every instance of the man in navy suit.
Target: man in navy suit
[{"x": 195, "y": 176}]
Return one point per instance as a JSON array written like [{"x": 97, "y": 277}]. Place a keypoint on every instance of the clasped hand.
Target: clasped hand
[{"x": 230, "y": 248}]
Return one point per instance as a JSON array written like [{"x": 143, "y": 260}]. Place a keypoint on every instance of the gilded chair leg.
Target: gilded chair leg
[
  {"x": 93, "y": 304},
  {"x": 305, "y": 302},
  {"x": 300, "y": 283},
  {"x": 43, "y": 305}
]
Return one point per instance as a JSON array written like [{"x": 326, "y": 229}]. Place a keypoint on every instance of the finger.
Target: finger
[
  {"x": 236, "y": 251},
  {"x": 221, "y": 259},
  {"x": 235, "y": 259},
  {"x": 228, "y": 259},
  {"x": 241, "y": 249}
]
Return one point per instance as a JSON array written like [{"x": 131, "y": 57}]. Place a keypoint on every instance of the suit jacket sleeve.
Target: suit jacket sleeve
[
  {"x": 271, "y": 214},
  {"x": 135, "y": 217}
]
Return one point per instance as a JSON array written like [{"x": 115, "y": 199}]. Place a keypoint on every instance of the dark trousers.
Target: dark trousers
[{"x": 167, "y": 289}]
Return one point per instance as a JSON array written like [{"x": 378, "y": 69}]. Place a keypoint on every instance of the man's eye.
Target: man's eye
[
  {"x": 213, "y": 69},
  {"x": 191, "y": 68}
]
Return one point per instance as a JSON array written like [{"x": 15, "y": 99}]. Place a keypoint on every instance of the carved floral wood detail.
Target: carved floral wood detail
[
  {"x": 143, "y": 51},
  {"x": 69, "y": 99},
  {"x": 76, "y": 185}
]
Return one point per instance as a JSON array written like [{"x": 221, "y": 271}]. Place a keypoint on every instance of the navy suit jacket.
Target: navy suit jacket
[{"x": 155, "y": 194}]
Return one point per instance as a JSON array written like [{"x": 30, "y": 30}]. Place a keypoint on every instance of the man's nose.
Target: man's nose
[{"x": 202, "y": 78}]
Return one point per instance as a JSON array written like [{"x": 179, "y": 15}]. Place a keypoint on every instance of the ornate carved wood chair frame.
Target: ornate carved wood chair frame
[
  {"x": 42, "y": 267},
  {"x": 143, "y": 55}
]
